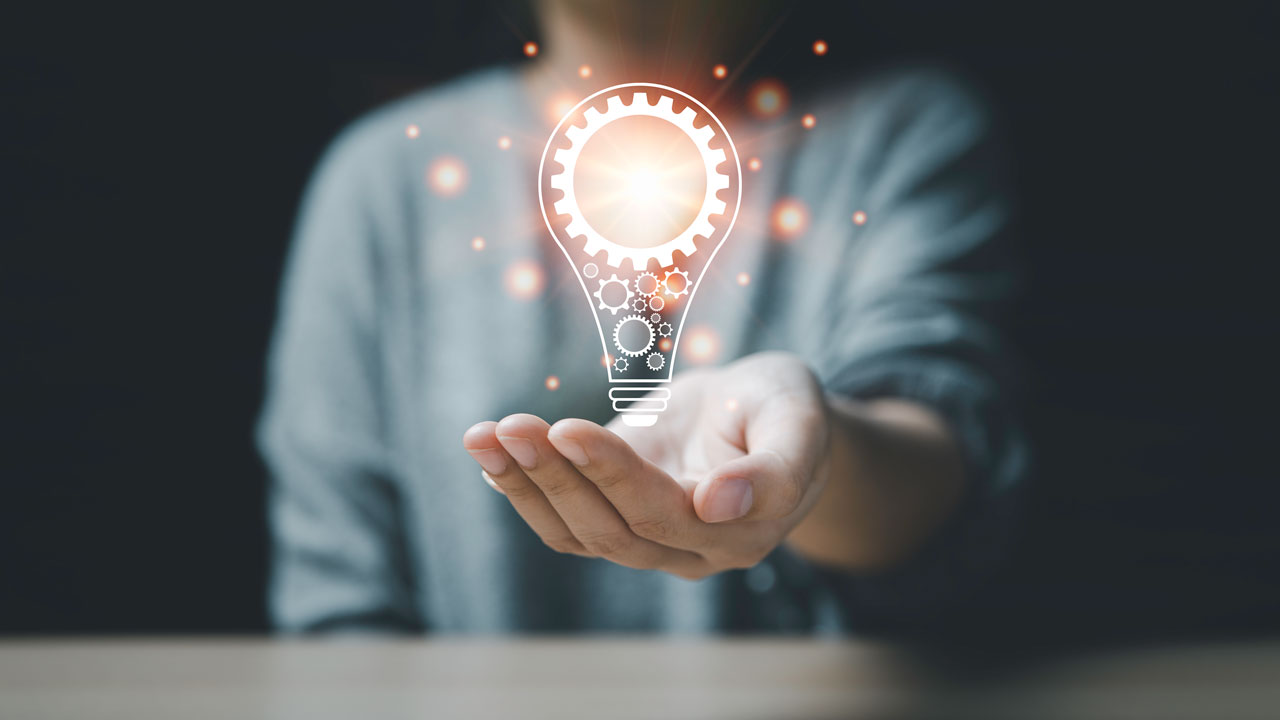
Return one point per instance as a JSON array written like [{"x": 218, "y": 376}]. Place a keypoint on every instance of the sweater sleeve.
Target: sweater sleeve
[
  {"x": 339, "y": 559},
  {"x": 921, "y": 316}
]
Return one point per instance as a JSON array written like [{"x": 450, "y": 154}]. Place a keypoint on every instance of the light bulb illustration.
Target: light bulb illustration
[{"x": 640, "y": 186}]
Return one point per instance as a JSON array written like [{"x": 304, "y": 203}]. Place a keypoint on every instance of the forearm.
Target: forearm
[{"x": 893, "y": 474}]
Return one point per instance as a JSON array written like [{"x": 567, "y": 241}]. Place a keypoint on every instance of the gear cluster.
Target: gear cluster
[{"x": 637, "y": 331}]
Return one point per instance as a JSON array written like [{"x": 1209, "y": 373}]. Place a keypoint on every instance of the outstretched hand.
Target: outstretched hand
[{"x": 734, "y": 464}]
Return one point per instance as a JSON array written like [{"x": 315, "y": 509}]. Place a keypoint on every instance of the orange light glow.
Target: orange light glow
[
  {"x": 819, "y": 47},
  {"x": 553, "y": 382},
  {"x": 642, "y": 179},
  {"x": 477, "y": 243},
  {"x": 790, "y": 218},
  {"x": 720, "y": 72},
  {"x": 754, "y": 164},
  {"x": 808, "y": 121},
  {"x": 531, "y": 49},
  {"x": 524, "y": 280},
  {"x": 859, "y": 218},
  {"x": 504, "y": 143},
  {"x": 731, "y": 405},
  {"x": 412, "y": 131},
  {"x": 584, "y": 71},
  {"x": 606, "y": 360},
  {"x": 664, "y": 344},
  {"x": 702, "y": 345},
  {"x": 559, "y": 106},
  {"x": 447, "y": 176},
  {"x": 744, "y": 279},
  {"x": 768, "y": 98}
]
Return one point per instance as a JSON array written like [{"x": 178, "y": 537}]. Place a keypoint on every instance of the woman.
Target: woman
[{"x": 854, "y": 465}]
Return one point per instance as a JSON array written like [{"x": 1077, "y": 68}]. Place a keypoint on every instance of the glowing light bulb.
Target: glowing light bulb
[{"x": 640, "y": 185}]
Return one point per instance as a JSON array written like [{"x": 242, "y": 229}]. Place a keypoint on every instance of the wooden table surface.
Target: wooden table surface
[{"x": 139, "y": 679}]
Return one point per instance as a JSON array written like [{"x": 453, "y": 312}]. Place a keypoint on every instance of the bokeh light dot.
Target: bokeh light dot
[
  {"x": 859, "y": 218},
  {"x": 524, "y": 279},
  {"x": 790, "y": 218},
  {"x": 768, "y": 98},
  {"x": 664, "y": 344},
  {"x": 477, "y": 243},
  {"x": 819, "y": 47},
  {"x": 447, "y": 176},
  {"x": 808, "y": 121},
  {"x": 531, "y": 49},
  {"x": 412, "y": 131},
  {"x": 720, "y": 71},
  {"x": 504, "y": 143},
  {"x": 584, "y": 71},
  {"x": 702, "y": 345},
  {"x": 744, "y": 279},
  {"x": 753, "y": 164},
  {"x": 553, "y": 382}
]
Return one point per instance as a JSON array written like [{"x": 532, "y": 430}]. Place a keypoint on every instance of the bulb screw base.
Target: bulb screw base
[{"x": 639, "y": 405}]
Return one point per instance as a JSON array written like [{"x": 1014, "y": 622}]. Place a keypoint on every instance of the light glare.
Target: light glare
[{"x": 524, "y": 280}]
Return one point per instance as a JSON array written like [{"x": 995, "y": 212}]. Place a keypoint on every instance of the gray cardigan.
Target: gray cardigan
[{"x": 395, "y": 335}]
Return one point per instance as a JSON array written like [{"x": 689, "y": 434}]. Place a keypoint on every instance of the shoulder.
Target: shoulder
[
  {"x": 379, "y": 147},
  {"x": 907, "y": 94}
]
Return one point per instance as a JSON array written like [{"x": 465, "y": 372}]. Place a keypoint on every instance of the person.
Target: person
[{"x": 855, "y": 462}]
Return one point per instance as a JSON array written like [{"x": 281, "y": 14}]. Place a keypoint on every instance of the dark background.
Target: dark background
[{"x": 153, "y": 159}]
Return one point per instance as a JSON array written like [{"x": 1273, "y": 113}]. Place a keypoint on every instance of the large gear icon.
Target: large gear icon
[
  {"x": 648, "y": 284},
  {"x": 711, "y": 158},
  {"x": 633, "y": 335},
  {"x": 605, "y": 304},
  {"x": 666, "y": 283}
]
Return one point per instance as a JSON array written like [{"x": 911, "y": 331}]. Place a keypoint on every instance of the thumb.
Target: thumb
[{"x": 786, "y": 437}]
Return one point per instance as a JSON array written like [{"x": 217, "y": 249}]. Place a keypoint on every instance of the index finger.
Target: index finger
[{"x": 654, "y": 505}]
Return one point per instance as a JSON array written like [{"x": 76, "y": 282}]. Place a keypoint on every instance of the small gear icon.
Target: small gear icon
[
  {"x": 619, "y": 292},
  {"x": 647, "y": 284},
  {"x": 633, "y": 335},
  {"x": 681, "y": 286},
  {"x": 655, "y": 319},
  {"x": 639, "y": 304},
  {"x": 664, "y": 329},
  {"x": 620, "y": 364},
  {"x": 655, "y": 362}
]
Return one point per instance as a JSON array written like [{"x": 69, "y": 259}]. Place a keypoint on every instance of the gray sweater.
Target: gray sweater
[{"x": 395, "y": 335}]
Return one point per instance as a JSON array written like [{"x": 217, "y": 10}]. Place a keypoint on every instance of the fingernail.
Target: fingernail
[
  {"x": 492, "y": 461},
  {"x": 572, "y": 450},
  {"x": 730, "y": 500},
  {"x": 492, "y": 484},
  {"x": 522, "y": 450}
]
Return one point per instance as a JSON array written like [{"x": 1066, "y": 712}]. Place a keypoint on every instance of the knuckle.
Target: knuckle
[
  {"x": 562, "y": 544},
  {"x": 609, "y": 479},
  {"x": 557, "y": 490},
  {"x": 520, "y": 492},
  {"x": 606, "y": 543},
  {"x": 656, "y": 527},
  {"x": 791, "y": 487}
]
